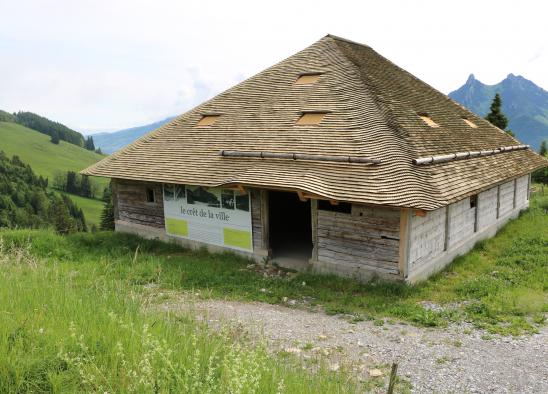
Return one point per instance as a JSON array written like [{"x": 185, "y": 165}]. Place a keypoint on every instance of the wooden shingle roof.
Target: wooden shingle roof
[{"x": 372, "y": 109}]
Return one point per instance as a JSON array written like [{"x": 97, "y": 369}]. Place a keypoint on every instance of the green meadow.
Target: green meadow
[
  {"x": 77, "y": 315},
  {"x": 46, "y": 159}
]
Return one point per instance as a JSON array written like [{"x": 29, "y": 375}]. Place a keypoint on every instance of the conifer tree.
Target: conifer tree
[
  {"x": 496, "y": 116},
  {"x": 107, "y": 216},
  {"x": 55, "y": 137},
  {"x": 543, "y": 149},
  {"x": 89, "y": 144}
]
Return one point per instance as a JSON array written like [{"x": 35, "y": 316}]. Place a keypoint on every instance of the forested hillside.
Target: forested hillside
[
  {"x": 25, "y": 200},
  {"x": 53, "y": 161},
  {"x": 55, "y": 130}
]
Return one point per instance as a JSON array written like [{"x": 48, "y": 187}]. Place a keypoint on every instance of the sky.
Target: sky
[{"x": 107, "y": 65}]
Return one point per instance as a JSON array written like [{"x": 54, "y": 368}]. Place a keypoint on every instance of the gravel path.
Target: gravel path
[{"x": 457, "y": 359}]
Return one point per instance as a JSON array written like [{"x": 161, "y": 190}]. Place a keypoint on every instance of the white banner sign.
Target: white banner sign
[{"x": 212, "y": 215}]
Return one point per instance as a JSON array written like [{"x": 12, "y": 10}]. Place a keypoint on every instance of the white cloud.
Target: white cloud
[{"x": 114, "y": 64}]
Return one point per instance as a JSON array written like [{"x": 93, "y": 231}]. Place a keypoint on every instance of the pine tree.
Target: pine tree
[
  {"x": 62, "y": 221},
  {"x": 543, "y": 149},
  {"x": 85, "y": 187},
  {"x": 89, "y": 144},
  {"x": 107, "y": 216},
  {"x": 72, "y": 183},
  {"x": 496, "y": 117}
]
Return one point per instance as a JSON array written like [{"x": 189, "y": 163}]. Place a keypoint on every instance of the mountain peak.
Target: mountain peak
[{"x": 524, "y": 103}]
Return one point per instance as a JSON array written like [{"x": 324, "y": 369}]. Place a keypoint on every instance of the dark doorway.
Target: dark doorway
[{"x": 290, "y": 232}]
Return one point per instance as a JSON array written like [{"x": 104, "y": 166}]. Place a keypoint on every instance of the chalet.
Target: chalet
[{"x": 334, "y": 158}]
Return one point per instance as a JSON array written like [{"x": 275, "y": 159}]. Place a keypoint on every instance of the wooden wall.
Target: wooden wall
[
  {"x": 461, "y": 222},
  {"x": 427, "y": 237},
  {"x": 506, "y": 198},
  {"x": 132, "y": 205},
  {"x": 487, "y": 208},
  {"x": 440, "y": 235},
  {"x": 366, "y": 237},
  {"x": 256, "y": 221}
]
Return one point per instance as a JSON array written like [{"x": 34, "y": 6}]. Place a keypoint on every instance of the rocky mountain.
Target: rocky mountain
[
  {"x": 524, "y": 103},
  {"x": 111, "y": 142}
]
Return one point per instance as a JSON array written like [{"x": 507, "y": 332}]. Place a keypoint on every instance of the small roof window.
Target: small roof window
[
  {"x": 311, "y": 118},
  {"x": 428, "y": 120},
  {"x": 208, "y": 120},
  {"x": 470, "y": 123},
  {"x": 307, "y": 79}
]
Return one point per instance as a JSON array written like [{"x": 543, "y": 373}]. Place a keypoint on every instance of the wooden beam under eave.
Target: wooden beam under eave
[
  {"x": 420, "y": 212},
  {"x": 302, "y": 196}
]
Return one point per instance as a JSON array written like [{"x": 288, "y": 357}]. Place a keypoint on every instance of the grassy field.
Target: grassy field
[
  {"x": 92, "y": 208},
  {"x": 73, "y": 321},
  {"x": 501, "y": 285},
  {"x": 72, "y": 312},
  {"x": 46, "y": 159}
]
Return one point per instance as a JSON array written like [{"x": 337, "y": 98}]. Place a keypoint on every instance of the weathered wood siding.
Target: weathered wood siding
[
  {"x": 427, "y": 237},
  {"x": 368, "y": 238},
  {"x": 256, "y": 219},
  {"x": 439, "y": 236},
  {"x": 487, "y": 208},
  {"x": 133, "y": 206},
  {"x": 506, "y": 198},
  {"x": 461, "y": 222},
  {"x": 522, "y": 191}
]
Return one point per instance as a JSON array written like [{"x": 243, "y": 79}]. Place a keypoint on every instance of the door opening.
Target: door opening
[{"x": 290, "y": 227}]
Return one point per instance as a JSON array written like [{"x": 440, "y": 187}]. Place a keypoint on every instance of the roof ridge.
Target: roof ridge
[
  {"x": 385, "y": 109},
  {"x": 339, "y": 38}
]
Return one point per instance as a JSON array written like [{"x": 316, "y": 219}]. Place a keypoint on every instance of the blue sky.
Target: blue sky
[{"x": 106, "y": 65}]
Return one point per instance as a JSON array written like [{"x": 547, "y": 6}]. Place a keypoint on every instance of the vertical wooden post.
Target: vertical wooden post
[
  {"x": 514, "y": 203},
  {"x": 314, "y": 224},
  {"x": 405, "y": 242},
  {"x": 529, "y": 187},
  {"x": 265, "y": 226},
  {"x": 447, "y": 228},
  {"x": 476, "y": 213},
  {"x": 498, "y": 201}
]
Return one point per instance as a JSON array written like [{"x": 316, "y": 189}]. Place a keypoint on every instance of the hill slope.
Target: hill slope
[
  {"x": 46, "y": 159},
  {"x": 111, "y": 142},
  {"x": 525, "y": 104}
]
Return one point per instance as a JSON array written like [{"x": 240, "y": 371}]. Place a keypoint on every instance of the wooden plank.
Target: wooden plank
[
  {"x": 265, "y": 220},
  {"x": 314, "y": 219},
  {"x": 404, "y": 244}
]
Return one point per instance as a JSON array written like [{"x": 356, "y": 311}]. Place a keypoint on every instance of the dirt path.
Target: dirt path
[{"x": 453, "y": 360}]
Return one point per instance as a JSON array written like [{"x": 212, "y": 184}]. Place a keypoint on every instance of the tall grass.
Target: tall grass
[{"x": 70, "y": 324}]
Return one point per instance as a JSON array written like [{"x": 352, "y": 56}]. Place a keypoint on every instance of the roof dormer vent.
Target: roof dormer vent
[
  {"x": 310, "y": 118},
  {"x": 307, "y": 79},
  {"x": 428, "y": 120},
  {"x": 208, "y": 120}
]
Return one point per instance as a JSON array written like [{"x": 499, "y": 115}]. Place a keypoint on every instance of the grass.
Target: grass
[
  {"x": 46, "y": 159},
  {"x": 72, "y": 312},
  {"x": 74, "y": 322},
  {"x": 92, "y": 208},
  {"x": 500, "y": 286}
]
